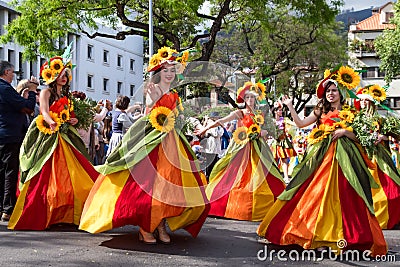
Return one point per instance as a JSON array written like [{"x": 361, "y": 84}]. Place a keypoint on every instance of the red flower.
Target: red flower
[{"x": 248, "y": 120}]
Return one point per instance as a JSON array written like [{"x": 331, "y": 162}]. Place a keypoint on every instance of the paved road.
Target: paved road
[{"x": 220, "y": 243}]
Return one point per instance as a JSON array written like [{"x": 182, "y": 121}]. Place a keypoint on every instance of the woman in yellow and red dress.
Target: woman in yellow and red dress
[
  {"x": 246, "y": 181},
  {"x": 284, "y": 147},
  {"x": 55, "y": 173},
  {"x": 328, "y": 203},
  {"x": 151, "y": 177},
  {"x": 387, "y": 196}
]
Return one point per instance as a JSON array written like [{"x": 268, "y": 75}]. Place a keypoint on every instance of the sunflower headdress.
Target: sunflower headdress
[
  {"x": 373, "y": 92},
  {"x": 170, "y": 56},
  {"x": 52, "y": 68},
  {"x": 257, "y": 89},
  {"x": 344, "y": 77}
]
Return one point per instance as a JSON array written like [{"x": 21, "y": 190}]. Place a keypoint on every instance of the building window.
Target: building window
[
  {"x": 370, "y": 73},
  {"x": 90, "y": 52},
  {"x": 396, "y": 102},
  {"x": 119, "y": 87},
  {"x": 119, "y": 61},
  {"x": 132, "y": 65},
  {"x": 105, "y": 56},
  {"x": 105, "y": 85},
  {"x": 132, "y": 90},
  {"x": 90, "y": 81},
  {"x": 388, "y": 16},
  {"x": 381, "y": 73}
]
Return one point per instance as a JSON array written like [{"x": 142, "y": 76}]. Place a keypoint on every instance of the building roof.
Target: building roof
[{"x": 374, "y": 23}]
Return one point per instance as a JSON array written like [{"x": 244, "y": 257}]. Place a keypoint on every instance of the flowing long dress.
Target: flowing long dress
[
  {"x": 284, "y": 146},
  {"x": 328, "y": 202},
  {"x": 150, "y": 176},
  {"x": 55, "y": 178},
  {"x": 246, "y": 181},
  {"x": 387, "y": 197}
]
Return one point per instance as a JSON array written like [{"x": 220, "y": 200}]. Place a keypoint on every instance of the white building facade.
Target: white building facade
[
  {"x": 362, "y": 53},
  {"x": 104, "y": 69}
]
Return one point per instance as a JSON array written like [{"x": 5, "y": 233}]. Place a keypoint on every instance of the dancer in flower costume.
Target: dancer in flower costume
[
  {"x": 284, "y": 146},
  {"x": 246, "y": 181},
  {"x": 55, "y": 173},
  {"x": 329, "y": 200},
  {"x": 373, "y": 131},
  {"x": 152, "y": 177}
]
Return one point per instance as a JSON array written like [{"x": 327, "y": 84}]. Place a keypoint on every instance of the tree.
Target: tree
[
  {"x": 387, "y": 47},
  {"x": 42, "y": 23},
  {"x": 293, "y": 49}
]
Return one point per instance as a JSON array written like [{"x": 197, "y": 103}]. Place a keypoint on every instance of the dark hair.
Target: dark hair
[
  {"x": 5, "y": 65},
  {"x": 122, "y": 102},
  {"x": 324, "y": 106},
  {"x": 64, "y": 90}
]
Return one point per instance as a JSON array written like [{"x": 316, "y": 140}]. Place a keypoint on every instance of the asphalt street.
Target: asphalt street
[{"x": 221, "y": 242}]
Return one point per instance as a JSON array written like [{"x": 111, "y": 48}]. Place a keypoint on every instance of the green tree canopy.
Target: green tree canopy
[
  {"x": 387, "y": 47},
  {"x": 42, "y": 23}
]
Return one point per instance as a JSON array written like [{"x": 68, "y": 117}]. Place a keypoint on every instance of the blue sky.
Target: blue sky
[{"x": 363, "y": 4}]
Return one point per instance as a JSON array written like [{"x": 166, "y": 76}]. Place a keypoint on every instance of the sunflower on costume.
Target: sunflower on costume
[
  {"x": 318, "y": 134},
  {"x": 348, "y": 77},
  {"x": 44, "y": 127},
  {"x": 346, "y": 107},
  {"x": 377, "y": 92},
  {"x": 341, "y": 125},
  {"x": 346, "y": 115},
  {"x": 47, "y": 75},
  {"x": 165, "y": 53},
  {"x": 162, "y": 119},
  {"x": 259, "y": 119},
  {"x": 240, "y": 135},
  {"x": 253, "y": 131},
  {"x": 64, "y": 116},
  {"x": 57, "y": 65}
]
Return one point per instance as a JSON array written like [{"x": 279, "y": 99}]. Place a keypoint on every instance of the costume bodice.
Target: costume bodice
[{"x": 167, "y": 100}]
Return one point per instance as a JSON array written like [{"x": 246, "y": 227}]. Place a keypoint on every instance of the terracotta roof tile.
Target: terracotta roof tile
[{"x": 373, "y": 23}]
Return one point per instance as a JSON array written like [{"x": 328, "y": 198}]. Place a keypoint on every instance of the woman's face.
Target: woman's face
[
  {"x": 62, "y": 78},
  {"x": 250, "y": 99},
  {"x": 332, "y": 94},
  {"x": 278, "y": 113},
  {"x": 167, "y": 74},
  {"x": 364, "y": 103}
]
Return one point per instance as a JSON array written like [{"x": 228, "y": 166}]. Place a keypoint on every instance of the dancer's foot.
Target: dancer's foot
[
  {"x": 146, "y": 237},
  {"x": 161, "y": 233}
]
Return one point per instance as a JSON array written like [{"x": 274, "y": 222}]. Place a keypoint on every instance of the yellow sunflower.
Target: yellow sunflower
[
  {"x": 184, "y": 58},
  {"x": 318, "y": 134},
  {"x": 240, "y": 135},
  {"x": 166, "y": 52},
  {"x": 346, "y": 115},
  {"x": 377, "y": 92},
  {"x": 162, "y": 119},
  {"x": 327, "y": 72},
  {"x": 47, "y": 75},
  {"x": 56, "y": 65},
  {"x": 259, "y": 119},
  {"x": 341, "y": 125},
  {"x": 346, "y": 107},
  {"x": 44, "y": 127},
  {"x": 346, "y": 76},
  {"x": 254, "y": 129},
  {"x": 154, "y": 61},
  {"x": 64, "y": 116}
]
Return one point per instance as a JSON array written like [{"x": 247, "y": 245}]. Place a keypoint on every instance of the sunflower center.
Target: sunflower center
[
  {"x": 64, "y": 116},
  {"x": 46, "y": 125},
  {"x": 318, "y": 134},
  {"x": 57, "y": 66},
  {"x": 161, "y": 119},
  {"x": 48, "y": 75},
  {"x": 242, "y": 135},
  {"x": 164, "y": 54},
  {"x": 347, "y": 78},
  {"x": 377, "y": 93}
]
